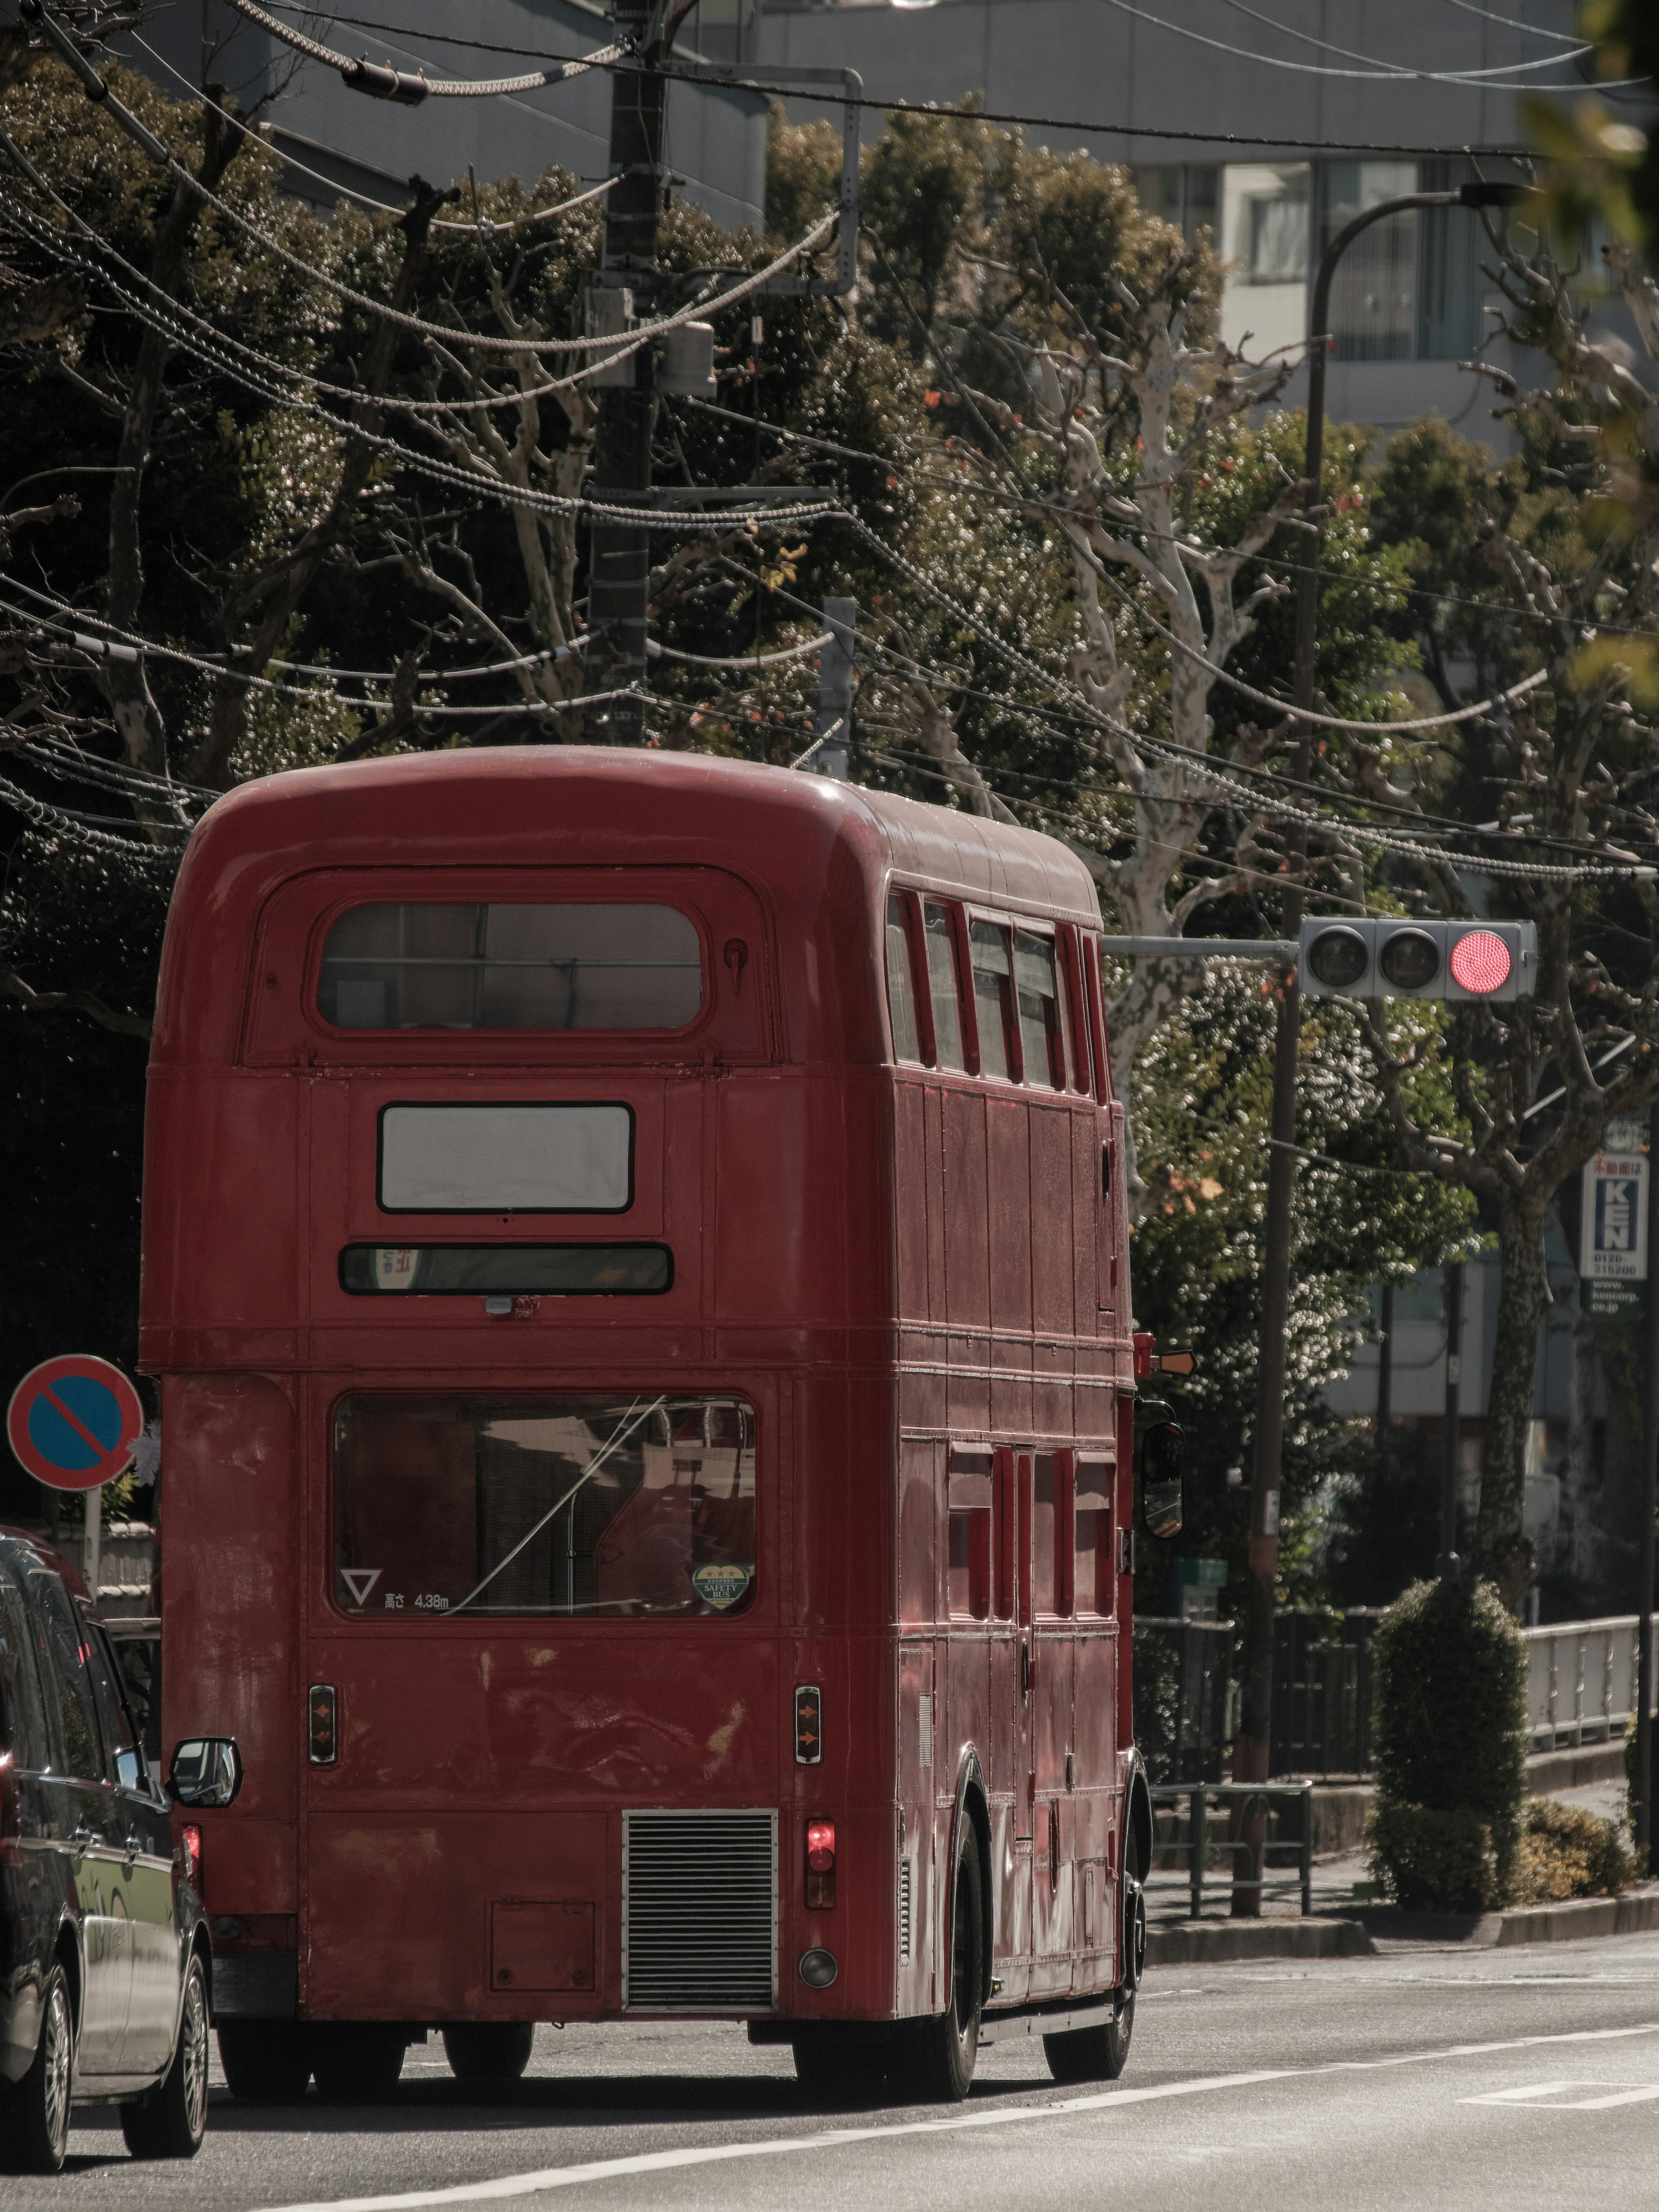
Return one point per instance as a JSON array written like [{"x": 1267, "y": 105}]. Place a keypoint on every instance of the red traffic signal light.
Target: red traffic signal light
[{"x": 1458, "y": 961}]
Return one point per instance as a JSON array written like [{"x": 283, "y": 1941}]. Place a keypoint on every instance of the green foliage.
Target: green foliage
[
  {"x": 1448, "y": 1736},
  {"x": 1429, "y": 1860},
  {"x": 1567, "y": 1851},
  {"x": 1202, "y": 1106}
]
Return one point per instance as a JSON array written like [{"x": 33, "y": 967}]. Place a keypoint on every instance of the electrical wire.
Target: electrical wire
[
  {"x": 475, "y": 481},
  {"x": 1391, "y": 75},
  {"x": 949, "y": 111},
  {"x": 483, "y": 226},
  {"x": 744, "y": 661},
  {"x": 362, "y": 75},
  {"x": 1513, "y": 24},
  {"x": 1400, "y": 68}
]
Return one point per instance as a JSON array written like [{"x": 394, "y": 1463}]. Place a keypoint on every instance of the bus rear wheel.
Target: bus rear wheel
[
  {"x": 356, "y": 2061},
  {"x": 1099, "y": 2054},
  {"x": 489, "y": 2050},
  {"x": 266, "y": 2062},
  {"x": 933, "y": 2059}
]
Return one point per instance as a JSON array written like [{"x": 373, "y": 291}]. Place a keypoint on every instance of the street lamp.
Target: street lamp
[{"x": 1250, "y": 1755}]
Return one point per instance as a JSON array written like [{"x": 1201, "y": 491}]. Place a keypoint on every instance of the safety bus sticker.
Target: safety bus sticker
[{"x": 721, "y": 1586}]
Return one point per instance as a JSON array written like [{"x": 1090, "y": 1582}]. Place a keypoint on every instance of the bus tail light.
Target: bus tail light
[
  {"x": 809, "y": 1724},
  {"x": 324, "y": 1737},
  {"x": 820, "y": 1865},
  {"x": 11, "y": 1814}
]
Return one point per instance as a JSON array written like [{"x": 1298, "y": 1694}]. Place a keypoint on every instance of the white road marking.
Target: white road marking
[
  {"x": 1546, "y": 2096},
  {"x": 664, "y": 2162}
]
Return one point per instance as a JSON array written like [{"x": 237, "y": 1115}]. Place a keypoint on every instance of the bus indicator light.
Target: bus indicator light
[
  {"x": 324, "y": 1744},
  {"x": 809, "y": 1724},
  {"x": 189, "y": 1849},
  {"x": 820, "y": 1865}
]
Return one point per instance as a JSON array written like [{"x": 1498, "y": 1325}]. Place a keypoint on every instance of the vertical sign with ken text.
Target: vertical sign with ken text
[{"x": 1613, "y": 1256}]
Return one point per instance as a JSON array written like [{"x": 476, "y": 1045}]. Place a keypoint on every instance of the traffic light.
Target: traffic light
[{"x": 1464, "y": 962}]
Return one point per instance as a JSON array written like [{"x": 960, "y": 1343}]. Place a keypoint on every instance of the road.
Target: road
[{"x": 1421, "y": 2079}]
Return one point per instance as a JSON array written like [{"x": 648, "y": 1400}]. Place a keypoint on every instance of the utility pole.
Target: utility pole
[
  {"x": 1252, "y": 1748},
  {"x": 1646, "y": 1533},
  {"x": 1385, "y": 1380},
  {"x": 1449, "y": 1566},
  {"x": 834, "y": 730},
  {"x": 619, "y": 571}
]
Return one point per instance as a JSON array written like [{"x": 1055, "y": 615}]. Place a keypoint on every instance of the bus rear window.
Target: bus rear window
[
  {"x": 640, "y": 1506},
  {"x": 546, "y": 967}
]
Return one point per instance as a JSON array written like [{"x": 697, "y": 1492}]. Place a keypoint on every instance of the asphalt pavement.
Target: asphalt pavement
[{"x": 1425, "y": 2078}]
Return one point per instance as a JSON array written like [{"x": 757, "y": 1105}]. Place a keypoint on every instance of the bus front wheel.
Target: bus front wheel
[
  {"x": 489, "y": 2050},
  {"x": 933, "y": 2059}
]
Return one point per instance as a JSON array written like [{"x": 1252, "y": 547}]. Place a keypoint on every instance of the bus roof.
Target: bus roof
[{"x": 790, "y": 834}]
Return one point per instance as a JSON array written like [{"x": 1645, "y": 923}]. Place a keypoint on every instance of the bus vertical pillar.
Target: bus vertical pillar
[
  {"x": 619, "y": 568},
  {"x": 833, "y": 729}
]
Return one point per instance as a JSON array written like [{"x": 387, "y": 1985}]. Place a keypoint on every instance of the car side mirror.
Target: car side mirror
[
  {"x": 1163, "y": 1451},
  {"x": 206, "y": 1773}
]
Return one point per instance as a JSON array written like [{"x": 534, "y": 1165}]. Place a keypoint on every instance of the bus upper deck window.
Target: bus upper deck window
[
  {"x": 944, "y": 987},
  {"x": 992, "y": 996},
  {"x": 544, "y": 967},
  {"x": 1041, "y": 1027},
  {"x": 901, "y": 986}
]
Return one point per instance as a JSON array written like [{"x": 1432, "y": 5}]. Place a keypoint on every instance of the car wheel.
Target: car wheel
[
  {"x": 266, "y": 2062},
  {"x": 933, "y": 2059},
  {"x": 172, "y": 2120},
  {"x": 356, "y": 2061},
  {"x": 489, "y": 2050},
  {"x": 34, "y": 2113}
]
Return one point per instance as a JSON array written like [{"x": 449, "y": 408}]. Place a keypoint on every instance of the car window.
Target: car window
[
  {"x": 68, "y": 1684},
  {"x": 121, "y": 1749},
  {"x": 22, "y": 1715}
]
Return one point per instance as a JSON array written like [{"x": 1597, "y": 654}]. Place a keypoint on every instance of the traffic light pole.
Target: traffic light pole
[
  {"x": 619, "y": 571},
  {"x": 1252, "y": 1745},
  {"x": 1645, "y": 1539}
]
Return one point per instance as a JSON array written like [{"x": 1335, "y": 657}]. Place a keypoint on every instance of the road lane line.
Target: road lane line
[{"x": 664, "y": 2162}]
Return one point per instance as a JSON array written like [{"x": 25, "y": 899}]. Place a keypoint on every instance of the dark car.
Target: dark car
[{"x": 105, "y": 1970}]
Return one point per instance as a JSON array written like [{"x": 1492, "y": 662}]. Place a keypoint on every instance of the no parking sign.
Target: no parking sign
[{"x": 73, "y": 1421}]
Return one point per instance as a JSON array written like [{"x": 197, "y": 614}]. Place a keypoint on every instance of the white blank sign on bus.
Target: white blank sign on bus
[{"x": 506, "y": 1159}]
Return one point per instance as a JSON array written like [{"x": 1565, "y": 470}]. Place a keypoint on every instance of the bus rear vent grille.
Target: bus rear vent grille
[
  {"x": 904, "y": 1909},
  {"x": 700, "y": 1911}
]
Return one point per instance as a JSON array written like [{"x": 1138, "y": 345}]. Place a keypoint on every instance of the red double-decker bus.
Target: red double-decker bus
[{"x": 636, "y": 1260}]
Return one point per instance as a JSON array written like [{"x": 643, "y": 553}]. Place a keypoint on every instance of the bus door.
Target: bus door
[{"x": 1043, "y": 1484}]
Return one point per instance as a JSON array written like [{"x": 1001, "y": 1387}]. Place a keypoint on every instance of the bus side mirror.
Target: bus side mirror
[
  {"x": 205, "y": 1773},
  {"x": 1162, "y": 1452}
]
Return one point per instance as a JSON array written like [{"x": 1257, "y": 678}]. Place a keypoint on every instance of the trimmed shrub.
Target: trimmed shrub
[
  {"x": 1566, "y": 1852},
  {"x": 1432, "y": 1861},
  {"x": 1447, "y": 1739}
]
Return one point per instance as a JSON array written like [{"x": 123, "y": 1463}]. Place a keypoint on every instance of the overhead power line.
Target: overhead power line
[
  {"x": 1400, "y": 68},
  {"x": 731, "y": 81}
]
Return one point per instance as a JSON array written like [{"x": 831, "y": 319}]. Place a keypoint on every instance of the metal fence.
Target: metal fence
[
  {"x": 1580, "y": 1681},
  {"x": 1186, "y": 1695},
  {"x": 1213, "y": 1828}
]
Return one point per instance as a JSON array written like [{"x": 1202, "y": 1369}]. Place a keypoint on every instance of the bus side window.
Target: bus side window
[
  {"x": 944, "y": 987},
  {"x": 1092, "y": 1563},
  {"x": 1077, "y": 1001},
  {"x": 1097, "y": 1016},
  {"x": 994, "y": 1000},
  {"x": 900, "y": 987},
  {"x": 1040, "y": 1024},
  {"x": 969, "y": 1506}
]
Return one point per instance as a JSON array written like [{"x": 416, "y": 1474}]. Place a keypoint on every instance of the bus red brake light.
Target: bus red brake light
[
  {"x": 820, "y": 1865},
  {"x": 1480, "y": 962}
]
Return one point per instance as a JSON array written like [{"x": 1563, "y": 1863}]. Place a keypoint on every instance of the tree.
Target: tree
[{"x": 1571, "y": 545}]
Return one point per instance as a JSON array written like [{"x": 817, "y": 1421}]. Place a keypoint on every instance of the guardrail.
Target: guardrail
[
  {"x": 1581, "y": 1680},
  {"x": 1237, "y": 1798}
]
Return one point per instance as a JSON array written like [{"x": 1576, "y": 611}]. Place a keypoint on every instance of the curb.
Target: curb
[
  {"x": 1574, "y": 1921},
  {"x": 1574, "y": 1767},
  {"x": 1201, "y": 1943}
]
